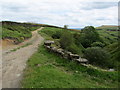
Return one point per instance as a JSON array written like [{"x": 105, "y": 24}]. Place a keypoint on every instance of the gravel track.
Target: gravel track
[{"x": 14, "y": 63}]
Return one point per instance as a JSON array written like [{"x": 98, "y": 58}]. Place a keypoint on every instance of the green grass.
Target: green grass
[
  {"x": 108, "y": 36},
  {"x": 114, "y": 50},
  {"x": 51, "y": 30},
  {"x": 47, "y": 70},
  {"x": 13, "y": 50},
  {"x": 17, "y": 31}
]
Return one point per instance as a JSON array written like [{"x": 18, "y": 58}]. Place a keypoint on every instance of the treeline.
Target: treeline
[{"x": 87, "y": 44}]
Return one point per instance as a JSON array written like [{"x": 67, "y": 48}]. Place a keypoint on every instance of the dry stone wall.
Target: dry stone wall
[{"x": 63, "y": 53}]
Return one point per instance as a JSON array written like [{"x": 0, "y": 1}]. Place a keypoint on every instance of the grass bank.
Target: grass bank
[
  {"x": 47, "y": 70},
  {"x": 17, "y": 31}
]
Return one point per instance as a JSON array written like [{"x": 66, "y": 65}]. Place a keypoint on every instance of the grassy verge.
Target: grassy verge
[{"x": 47, "y": 70}]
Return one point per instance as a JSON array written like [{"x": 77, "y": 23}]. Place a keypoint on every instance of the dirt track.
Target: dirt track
[{"x": 14, "y": 63}]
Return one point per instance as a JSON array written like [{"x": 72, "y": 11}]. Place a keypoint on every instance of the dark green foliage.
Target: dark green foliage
[
  {"x": 65, "y": 26},
  {"x": 114, "y": 49},
  {"x": 77, "y": 40},
  {"x": 73, "y": 48},
  {"x": 66, "y": 40},
  {"x": 98, "y": 44},
  {"x": 57, "y": 35},
  {"x": 73, "y": 41},
  {"x": 97, "y": 56},
  {"x": 88, "y": 36}
]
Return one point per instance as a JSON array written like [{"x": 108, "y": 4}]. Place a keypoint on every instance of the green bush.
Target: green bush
[
  {"x": 57, "y": 35},
  {"x": 97, "y": 56},
  {"x": 88, "y": 36},
  {"x": 66, "y": 40},
  {"x": 73, "y": 48}
]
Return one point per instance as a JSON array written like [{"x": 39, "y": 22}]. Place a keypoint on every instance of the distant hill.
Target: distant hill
[{"x": 108, "y": 28}]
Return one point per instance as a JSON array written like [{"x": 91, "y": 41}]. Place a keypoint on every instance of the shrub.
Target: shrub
[
  {"x": 66, "y": 40},
  {"x": 97, "y": 56},
  {"x": 77, "y": 38},
  {"x": 57, "y": 35},
  {"x": 73, "y": 48}
]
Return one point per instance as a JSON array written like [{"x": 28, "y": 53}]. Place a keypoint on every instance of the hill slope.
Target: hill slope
[
  {"x": 17, "y": 31},
  {"x": 47, "y": 70}
]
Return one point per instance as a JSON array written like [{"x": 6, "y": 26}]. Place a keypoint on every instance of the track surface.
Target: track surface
[{"x": 14, "y": 63}]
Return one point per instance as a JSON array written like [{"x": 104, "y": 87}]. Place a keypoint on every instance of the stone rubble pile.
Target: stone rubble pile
[{"x": 65, "y": 54}]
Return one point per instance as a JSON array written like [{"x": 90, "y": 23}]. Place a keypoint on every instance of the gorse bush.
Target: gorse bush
[
  {"x": 66, "y": 40},
  {"x": 74, "y": 49},
  {"x": 97, "y": 56}
]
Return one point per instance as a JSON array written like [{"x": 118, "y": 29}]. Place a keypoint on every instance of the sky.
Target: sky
[{"x": 74, "y": 13}]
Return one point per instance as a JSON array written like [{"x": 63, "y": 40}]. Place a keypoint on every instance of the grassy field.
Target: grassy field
[
  {"x": 48, "y": 70},
  {"x": 108, "y": 36},
  {"x": 51, "y": 30},
  {"x": 17, "y": 31}
]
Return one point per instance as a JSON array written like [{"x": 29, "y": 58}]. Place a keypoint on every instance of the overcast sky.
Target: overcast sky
[{"x": 75, "y": 13}]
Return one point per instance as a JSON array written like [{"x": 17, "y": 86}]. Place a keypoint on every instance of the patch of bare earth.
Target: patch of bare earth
[{"x": 14, "y": 63}]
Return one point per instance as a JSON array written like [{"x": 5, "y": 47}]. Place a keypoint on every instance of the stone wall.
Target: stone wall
[{"x": 63, "y": 53}]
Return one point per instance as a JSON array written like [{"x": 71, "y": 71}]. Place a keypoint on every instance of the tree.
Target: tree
[
  {"x": 65, "y": 26},
  {"x": 88, "y": 36}
]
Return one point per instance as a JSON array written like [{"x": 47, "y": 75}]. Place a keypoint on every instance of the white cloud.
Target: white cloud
[{"x": 77, "y": 13}]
